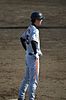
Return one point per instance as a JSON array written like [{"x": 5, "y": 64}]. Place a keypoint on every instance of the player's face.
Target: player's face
[{"x": 38, "y": 22}]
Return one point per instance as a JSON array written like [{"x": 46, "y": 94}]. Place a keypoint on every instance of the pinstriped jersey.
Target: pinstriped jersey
[{"x": 32, "y": 33}]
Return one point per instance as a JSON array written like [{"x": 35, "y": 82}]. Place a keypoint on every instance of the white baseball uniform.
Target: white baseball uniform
[{"x": 32, "y": 63}]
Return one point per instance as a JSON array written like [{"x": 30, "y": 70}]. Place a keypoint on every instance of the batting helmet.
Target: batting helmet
[{"x": 37, "y": 15}]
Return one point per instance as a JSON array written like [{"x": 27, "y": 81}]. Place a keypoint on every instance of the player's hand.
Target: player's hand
[
  {"x": 36, "y": 55},
  {"x": 40, "y": 53}
]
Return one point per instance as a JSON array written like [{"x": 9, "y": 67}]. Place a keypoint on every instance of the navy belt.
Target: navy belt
[{"x": 30, "y": 54}]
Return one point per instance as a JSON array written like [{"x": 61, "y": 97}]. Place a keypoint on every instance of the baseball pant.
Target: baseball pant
[{"x": 30, "y": 80}]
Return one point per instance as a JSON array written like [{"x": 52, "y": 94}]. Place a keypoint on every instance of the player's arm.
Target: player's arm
[
  {"x": 34, "y": 46},
  {"x": 23, "y": 42}
]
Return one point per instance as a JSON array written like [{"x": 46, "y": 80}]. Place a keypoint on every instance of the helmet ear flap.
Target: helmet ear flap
[{"x": 33, "y": 20}]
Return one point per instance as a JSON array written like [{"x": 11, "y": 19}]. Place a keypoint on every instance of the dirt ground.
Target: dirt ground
[{"x": 52, "y": 80}]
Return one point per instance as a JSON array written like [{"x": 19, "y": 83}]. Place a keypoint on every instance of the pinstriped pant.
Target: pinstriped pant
[{"x": 30, "y": 80}]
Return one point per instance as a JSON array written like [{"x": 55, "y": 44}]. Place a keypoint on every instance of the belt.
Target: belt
[{"x": 31, "y": 54}]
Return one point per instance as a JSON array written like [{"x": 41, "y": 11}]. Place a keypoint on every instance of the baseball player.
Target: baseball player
[{"x": 31, "y": 43}]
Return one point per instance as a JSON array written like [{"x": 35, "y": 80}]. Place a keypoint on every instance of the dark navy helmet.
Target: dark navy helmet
[{"x": 37, "y": 15}]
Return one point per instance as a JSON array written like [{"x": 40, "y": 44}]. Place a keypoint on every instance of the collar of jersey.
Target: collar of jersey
[{"x": 35, "y": 26}]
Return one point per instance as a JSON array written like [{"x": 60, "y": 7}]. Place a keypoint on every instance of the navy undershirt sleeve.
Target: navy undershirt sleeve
[{"x": 34, "y": 46}]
